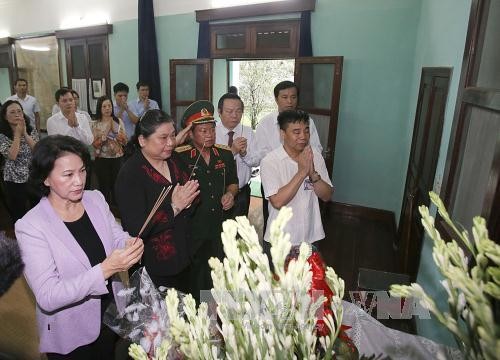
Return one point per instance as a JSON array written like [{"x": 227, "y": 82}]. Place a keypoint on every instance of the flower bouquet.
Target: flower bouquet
[
  {"x": 259, "y": 315},
  {"x": 140, "y": 315},
  {"x": 471, "y": 281}
]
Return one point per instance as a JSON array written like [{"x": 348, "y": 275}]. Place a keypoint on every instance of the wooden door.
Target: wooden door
[
  {"x": 319, "y": 80},
  {"x": 190, "y": 80},
  {"x": 87, "y": 61},
  {"x": 424, "y": 154},
  {"x": 471, "y": 181}
]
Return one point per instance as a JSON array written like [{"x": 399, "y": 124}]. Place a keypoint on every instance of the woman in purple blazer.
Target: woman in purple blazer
[{"x": 73, "y": 249}]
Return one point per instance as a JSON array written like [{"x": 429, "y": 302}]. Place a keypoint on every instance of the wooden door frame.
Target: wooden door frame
[
  {"x": 208, "y": 71},
  {"x": 433, "y": 72},
  {"x": 338, "y": 61},
  {"x": 469, "y": 95}
]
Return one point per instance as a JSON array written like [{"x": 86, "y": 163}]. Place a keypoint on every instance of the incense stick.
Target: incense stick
[{"x": 159, "y": 201}]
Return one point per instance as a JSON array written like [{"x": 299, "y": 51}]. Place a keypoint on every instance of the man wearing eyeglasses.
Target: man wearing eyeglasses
[{"x": 241, "y": 139}]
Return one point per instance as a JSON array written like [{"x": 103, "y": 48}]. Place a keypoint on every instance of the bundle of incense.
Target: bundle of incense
[
  {"x": 196, "y": 162},
  {"x": 163, "y": 194}
]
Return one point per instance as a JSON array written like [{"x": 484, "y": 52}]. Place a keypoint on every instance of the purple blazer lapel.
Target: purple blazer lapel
[{"x": 61, "y": 232}]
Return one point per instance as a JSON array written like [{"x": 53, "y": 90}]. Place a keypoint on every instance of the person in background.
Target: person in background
[
  {"x": 122, "y": 109},
  {"x": 11, "y": 263},
  {"x": 232, "y": 90},
  {"x": 73, "y": 249},
  {"x": 55, "y": 107},
  {"x": 268, "y": 134},
  {"x": 153, "y": 166},
  {"x": 214, "y": 167},
  {"x": 109, "y": 140},
  {"x": 241, "y": 140},
  {"x": 76, "y": 97},
  {"x": 295, "y": 175},
  {"x": 143, "y": 103},
  {"x": 68, "y": 121},
  {"x": 29, "y": 103},
  {"x": 17, "y": 139}
]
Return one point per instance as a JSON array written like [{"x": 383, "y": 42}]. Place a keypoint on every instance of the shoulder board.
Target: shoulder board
[
  {"x": 222, "y": 146},
  {"x": 183, "y": 148}
]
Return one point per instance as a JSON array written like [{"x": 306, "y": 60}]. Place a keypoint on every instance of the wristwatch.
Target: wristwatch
[{"x": 175, "y": 208}]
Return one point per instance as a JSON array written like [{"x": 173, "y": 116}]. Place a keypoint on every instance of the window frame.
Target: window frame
[{"x": 251, "y": 29}]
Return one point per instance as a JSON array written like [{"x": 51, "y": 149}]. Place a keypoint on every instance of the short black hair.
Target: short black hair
[
  {"x": 285, "y": 85},
  {"x": 146, "y": 126},
  {"x": 20, "y": 79},
  {"x": 292, "y": 116},
  {"x": 220, "y": 104},
  {"x": 120, "y": 87},
  {"x": 61, "y": 92},
  {"x": 74, "y": 92},
  {"x": 45, "y": 154},
  {"x": 4, "y": 124},
  {"x": 233, "y": 90},
  {"x": 142, "y": 83},
  {"x": 55, "y": 94}
]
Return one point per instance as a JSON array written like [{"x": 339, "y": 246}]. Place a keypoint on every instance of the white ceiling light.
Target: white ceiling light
[{"x": 35, "y": 48}]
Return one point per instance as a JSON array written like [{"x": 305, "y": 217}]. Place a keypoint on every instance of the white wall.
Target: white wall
[{"x": 35, "y": 16}]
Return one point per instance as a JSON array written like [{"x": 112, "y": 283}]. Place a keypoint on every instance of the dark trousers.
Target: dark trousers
[
  {"x": 242, "y": 202},
  {"x": 107, "y": 171},
  {"x": 266, "y": 246},
  {"x": 200, "y": 277},
  {"x": 102, "y": 348},
  {"x": 17, "y": 199},
  {"x": 265, "y": 209}
]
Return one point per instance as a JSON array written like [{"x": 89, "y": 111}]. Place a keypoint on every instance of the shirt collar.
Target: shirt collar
[
  {"x": 226, "y": 130},
  {"x": 282, "y": 154}
]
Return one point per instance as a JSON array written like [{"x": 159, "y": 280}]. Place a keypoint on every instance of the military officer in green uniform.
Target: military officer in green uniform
[{"x": 214, "y": 167}]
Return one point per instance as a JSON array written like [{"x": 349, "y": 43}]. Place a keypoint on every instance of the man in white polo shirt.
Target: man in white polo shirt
[
  {"x": 295, "y": 175},
  {"x": 29, "y": 103},
  {"x": 286, "y": 95},
  {"x": 68, "y": 121},
  {"x": 241, "y": 139}
]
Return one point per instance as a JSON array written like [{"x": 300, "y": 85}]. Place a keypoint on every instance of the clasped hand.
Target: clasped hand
[
  {"x": 72, "y": 120},
  {"x": 227, "y": 201},
  {"x": 123, "y": 259},
  {"x": 20, "y": 128},
  {"x": 183, "y": 195},
  {"x": 239, "y": 146},
  {"x": 305, "y": 162}
]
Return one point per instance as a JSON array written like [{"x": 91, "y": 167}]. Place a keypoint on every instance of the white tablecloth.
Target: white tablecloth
[{"x": 373, "y": 338}]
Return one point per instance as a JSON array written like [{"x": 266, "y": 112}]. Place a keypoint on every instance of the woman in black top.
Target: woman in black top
[
  {"x": 153, "y": 166},
  {"x": 73, "y": 249},
  {"x": 17, "y": 139}
]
